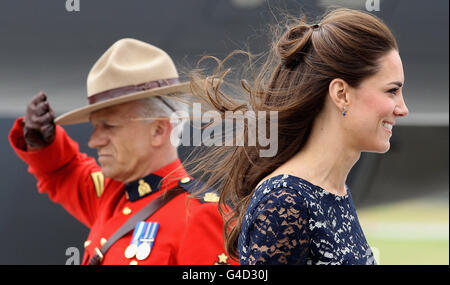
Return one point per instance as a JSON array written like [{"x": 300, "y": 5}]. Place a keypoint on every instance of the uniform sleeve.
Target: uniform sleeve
[
  {"x": 202, "y": 242},
  {"x": 62, "y": 172},
  {"x": 279, "y": 234}
]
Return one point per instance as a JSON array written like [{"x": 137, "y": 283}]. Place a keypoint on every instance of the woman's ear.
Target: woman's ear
[
  {"x": 339, "y": 93},
  {"x": 160, "y": 132}
]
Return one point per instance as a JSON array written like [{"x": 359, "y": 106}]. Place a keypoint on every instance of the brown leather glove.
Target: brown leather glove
[{"x": 39, "y": 129}]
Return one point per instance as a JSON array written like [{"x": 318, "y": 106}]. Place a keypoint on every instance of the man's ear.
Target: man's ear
[
  {"x": 338, "y": 91},
  {"x": 160, "y": 132}
]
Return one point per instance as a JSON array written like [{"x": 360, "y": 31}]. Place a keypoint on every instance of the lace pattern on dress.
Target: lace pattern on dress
[
  {"x": 280, "y": 212},
  {"x": 291, "y": 221}
]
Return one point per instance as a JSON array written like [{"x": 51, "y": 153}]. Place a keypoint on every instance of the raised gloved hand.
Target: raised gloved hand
[{"x": 39, "y": 129}]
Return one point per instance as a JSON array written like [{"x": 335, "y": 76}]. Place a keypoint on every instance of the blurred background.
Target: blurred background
[{"x": 401, "y": 197}]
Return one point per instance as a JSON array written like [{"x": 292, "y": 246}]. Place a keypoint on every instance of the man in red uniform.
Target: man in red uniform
[{"x": 131, "y": 82}]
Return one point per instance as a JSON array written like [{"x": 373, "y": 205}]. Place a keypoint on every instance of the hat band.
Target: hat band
[{"x": 122, "y": 91}]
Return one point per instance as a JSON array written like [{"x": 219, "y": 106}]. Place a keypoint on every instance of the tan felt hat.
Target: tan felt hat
[{"x": 129, "y": 70}]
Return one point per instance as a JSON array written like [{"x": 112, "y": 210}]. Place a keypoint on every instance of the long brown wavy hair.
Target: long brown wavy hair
[{"x": 293, "y": 81}]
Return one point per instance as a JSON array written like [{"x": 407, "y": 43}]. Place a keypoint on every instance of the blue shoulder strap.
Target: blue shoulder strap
[{"x": 191, "y": 186}]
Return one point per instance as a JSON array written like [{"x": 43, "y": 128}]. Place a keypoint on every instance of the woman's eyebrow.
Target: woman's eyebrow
[{"x": 398, "y": 83}]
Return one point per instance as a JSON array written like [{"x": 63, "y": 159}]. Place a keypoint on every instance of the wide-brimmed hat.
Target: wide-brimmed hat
[{"x": 129, "y": 70}]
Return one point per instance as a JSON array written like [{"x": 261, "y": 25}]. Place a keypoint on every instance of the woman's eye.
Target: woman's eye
[{"x": 393, "y": 91}]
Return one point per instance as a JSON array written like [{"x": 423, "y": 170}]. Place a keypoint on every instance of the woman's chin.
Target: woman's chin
[
  {"x": 382, "y": 148},
  {"x": 385, "y": 148}
]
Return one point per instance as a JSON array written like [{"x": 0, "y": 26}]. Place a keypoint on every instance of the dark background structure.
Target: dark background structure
[{"x": 44, "y": 47}]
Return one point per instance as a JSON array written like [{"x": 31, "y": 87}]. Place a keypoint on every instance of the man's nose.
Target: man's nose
[{"x": 97, "y": 139}]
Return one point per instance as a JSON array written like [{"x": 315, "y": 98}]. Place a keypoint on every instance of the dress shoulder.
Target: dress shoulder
[{"x": 275, "y": 227}]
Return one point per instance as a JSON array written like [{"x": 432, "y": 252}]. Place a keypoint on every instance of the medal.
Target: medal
[
  {"x": 147, "y": 240},
  {"x": 131, "y": 250},
  {"x": 143, "y": 251}
]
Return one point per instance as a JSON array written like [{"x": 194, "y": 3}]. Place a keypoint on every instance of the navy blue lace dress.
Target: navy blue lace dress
[{"x": 291, "y": 221}]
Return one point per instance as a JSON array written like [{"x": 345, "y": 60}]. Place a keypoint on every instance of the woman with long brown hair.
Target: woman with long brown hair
[{"x": 337, "y": 88}]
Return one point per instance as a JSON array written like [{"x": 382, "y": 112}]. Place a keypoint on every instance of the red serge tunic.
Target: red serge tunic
[{"x": 190, "y": 230}]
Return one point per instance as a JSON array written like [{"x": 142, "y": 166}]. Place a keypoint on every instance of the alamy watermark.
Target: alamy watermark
[
  {"x": 74, "y": 256},
  {"x": 72, "y": 5},
  {"x": 262, "y": 129},
  {"x": 373, "y": 5}
]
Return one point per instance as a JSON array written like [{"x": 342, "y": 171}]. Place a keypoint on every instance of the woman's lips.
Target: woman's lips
[{"x": 388, "y": 126}]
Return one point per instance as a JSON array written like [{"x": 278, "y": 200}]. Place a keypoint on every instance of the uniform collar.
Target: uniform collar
[{"x": 163, "y": 179}]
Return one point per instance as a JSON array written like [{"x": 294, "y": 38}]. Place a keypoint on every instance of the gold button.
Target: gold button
[
  {"x": 103, "y": 241},
  {"x": 133, "y": 262},
  {"x": 211, "y": 197},
  {"x": 185, "y": 179},
  {"x": 87, "y": 243},
  {"x": 126, "y": 211}
]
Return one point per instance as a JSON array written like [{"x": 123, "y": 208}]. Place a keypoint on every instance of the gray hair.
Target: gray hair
[
  {"x": 164, "y": 107},
  {"x": 160, "y": 107}
]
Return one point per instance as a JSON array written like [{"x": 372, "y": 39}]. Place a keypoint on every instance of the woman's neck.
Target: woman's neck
[{"x": 325, "y": 160}]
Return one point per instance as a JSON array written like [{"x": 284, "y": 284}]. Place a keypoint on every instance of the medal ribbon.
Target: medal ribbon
[
  {"x": 150, "y": 233},
  {"x": 138, "y": 232}
]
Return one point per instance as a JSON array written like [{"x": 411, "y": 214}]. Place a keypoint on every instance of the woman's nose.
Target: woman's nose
[{"x": 401, "y": 110}]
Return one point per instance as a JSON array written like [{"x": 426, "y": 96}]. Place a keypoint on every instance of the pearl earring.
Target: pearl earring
[{"x": 344, "y": 112}]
